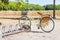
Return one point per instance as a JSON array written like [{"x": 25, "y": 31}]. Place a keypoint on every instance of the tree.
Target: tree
[
  {"x": 19, "y": 4},
  {"x": 57, "y": 7},
  {"x": 1, "y": 6},
  {"x": 27, "y": 1},
  {"x": 5, "y": 1},
  {"x": 49, "y": 7}
]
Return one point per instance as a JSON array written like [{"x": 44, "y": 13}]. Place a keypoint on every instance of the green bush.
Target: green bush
[
  {"x": 11, "y": 6},
  {"x": 15, "y": 6},
  {"x": 1, "y": 6},
  {"x": 20, "y": 6},
  {"x": 57, "y": 7},
  {"x": 50, "y": 7},
  {"x": 38, "y": 7}
]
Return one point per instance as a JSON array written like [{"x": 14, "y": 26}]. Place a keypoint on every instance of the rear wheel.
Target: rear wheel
[
  {"x": 26, "y": 23},
  {"x": 47, "y": 24}
]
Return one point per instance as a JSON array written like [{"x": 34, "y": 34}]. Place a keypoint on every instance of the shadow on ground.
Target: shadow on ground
[{"x": 37, "y": 32}]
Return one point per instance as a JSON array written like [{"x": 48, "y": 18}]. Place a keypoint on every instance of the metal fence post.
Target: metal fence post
[{"x": 54, "y": 9}]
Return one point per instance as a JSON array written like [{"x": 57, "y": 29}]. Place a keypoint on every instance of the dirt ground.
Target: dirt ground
[{"x": 36, "y": 34}]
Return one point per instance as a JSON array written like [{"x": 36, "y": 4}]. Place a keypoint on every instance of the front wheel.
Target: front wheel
[{"x": 47, "y": 24}]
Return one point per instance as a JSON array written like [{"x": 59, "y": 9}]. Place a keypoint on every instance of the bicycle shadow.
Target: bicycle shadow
[{"x": 37, "y": 31}]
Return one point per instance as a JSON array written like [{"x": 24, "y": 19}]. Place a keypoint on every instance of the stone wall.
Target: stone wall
[{"x": 16, "y": 14}]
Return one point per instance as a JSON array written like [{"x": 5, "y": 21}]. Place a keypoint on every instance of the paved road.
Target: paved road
[{"x": 37, "y": 34}]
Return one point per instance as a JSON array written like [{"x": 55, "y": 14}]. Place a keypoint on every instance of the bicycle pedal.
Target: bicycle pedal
[{"x": 38, "y": 27}]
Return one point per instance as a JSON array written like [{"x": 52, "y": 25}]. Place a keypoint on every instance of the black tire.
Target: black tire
[
  {"x": 26, "y": 28},
  {"x": 53, "y": 24}
]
